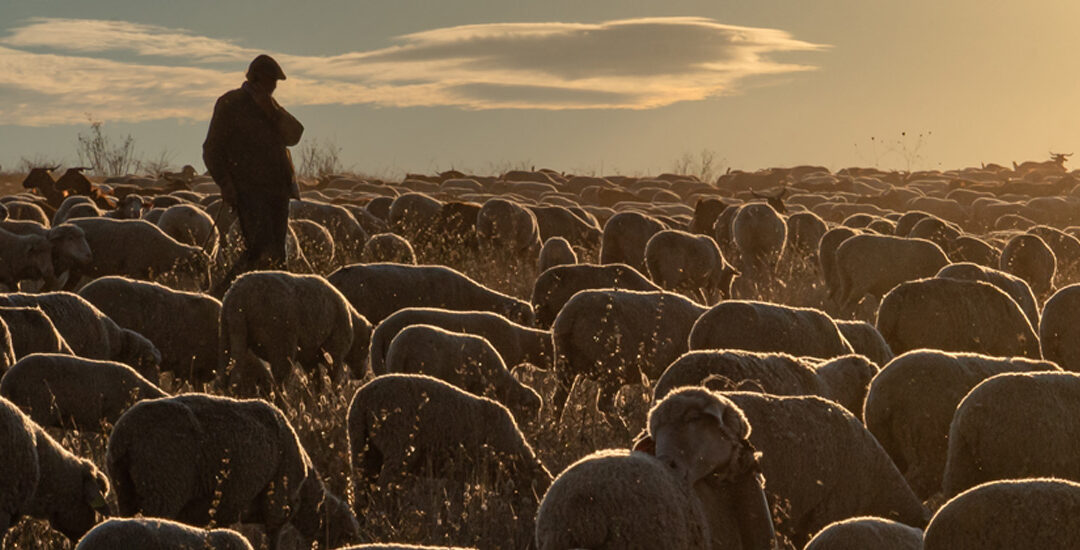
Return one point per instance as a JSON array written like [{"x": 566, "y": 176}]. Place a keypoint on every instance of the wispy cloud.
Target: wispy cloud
[{"x": 54, "y": 71}]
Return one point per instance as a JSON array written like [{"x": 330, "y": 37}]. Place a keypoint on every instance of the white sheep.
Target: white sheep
[
  {"x": 911, "y": 402},
  {"x": 618, "y": 499},
  {"x": 464, "y": 360},
  {"x": 307, "y": 318},
  {"x": 556, "y": 251},
  {"x": 378, "y": 290},
  {"x": 867, "y": 532},
  {"x": 159, "y": 534},
  {"x": 955, "y": 315},
  {"x": 197, "y": 458},
  {"x": 405, "y": 429},
  {"x": 183, "y": 326},
  {"x": 689, "y": 264},
  {"x": 765, "y": 326},
  {"x": 64, "y": 391},
  {"x": 874, "y": 264},
  {"x": 43, "y": 480}
]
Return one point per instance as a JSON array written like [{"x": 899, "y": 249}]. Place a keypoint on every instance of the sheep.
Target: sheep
[
  {"x": 69, "y": 247},
  {"x": 75, "y": 206},
  {"x": 572, "y": 224},
  {"x": 619, "y": 499},
  {"x": 515, "y": 343},
  {"x": 1010, "y": 284},
  {"x": 1014, "y": 425},
  {"x": 830, "y": 241},
  {"x": 503, "y": 226},
  {"x": 625, "y": 237},
  {"x": 874, "y": 264},
  {"x": 377, "y": 290},
  {"x": 404, "y": 429},
  {"x": 411, "y": 215},
  {"x": 188, "y": 224},
  {"x": 316, "y": 243},
  {"x": 867, "y": 532},
  {"x": 89, "y": 332},
  {"x": 140, "y": 250},
  {"x": 704, "y": 439},
  {"x": 911, "y": 402},
  {"x": 7, "y": 351},
  {"x": 966, "y": 248},
  {"x": 764, "y": 326},
  {"x": 935, "y": 229},
  {"x": 865, "y": 340},
  {"x": 23, "y": 210},
  {"x": 824, "y": 463},
  {"x": 1058, "y": 335},
  {"x": 349, "y": 236},
  {"x": 464, "y": 360},
  {"x": 1066, "y": 250},
  {"x": 805, "y": 230},
  {"x": 183, "y": 326},
  {"x": 842, "y": 379},
  {"x": 64, "y": 391},
  {"x": 554, "y": 287},
  {"x": 955, "y": 315},
  {"x": 31, "y": 331},
  {"x": 24, "y": 257},
  {"x": 556, "y": 251},
  {"x": 1029, "y": 258},
  {"x": 389, "y": 248},
  {"x": 197, "y": 458},
  {"x": 689, "y": 264},
  {"x": 760, "y": 234},
  {"x": 1023, "y": 514},
  {"x": 306, "y": 319},
  {"x": 618, "y": 337},
  {"x": 159, "y": 534},
  {"x": 705, "y": 213},
  {"x": 44, "y": 480}
]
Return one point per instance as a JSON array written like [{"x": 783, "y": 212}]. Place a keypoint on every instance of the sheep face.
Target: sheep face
[
  {"x": 38, "y": 254},
  {"x": 74, "y": 519},
  {"x": 69, "y": 242},
  {"x": 697, "y": 433},
  {"x": 140, "y": 353}
]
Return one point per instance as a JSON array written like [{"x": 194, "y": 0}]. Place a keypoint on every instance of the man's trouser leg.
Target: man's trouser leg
[{"x": 264, "y": 223}]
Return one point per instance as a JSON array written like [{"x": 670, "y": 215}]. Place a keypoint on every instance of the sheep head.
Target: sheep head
[
  {"x": 38, "y": 257},
  {"x": 69, "y": 242},
  {"x": 699, "y": 433},
  {"x": 86, "y": 505}
]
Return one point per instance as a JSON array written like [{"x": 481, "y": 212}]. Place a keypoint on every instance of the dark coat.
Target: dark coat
[{"x": 246, "y": 147}]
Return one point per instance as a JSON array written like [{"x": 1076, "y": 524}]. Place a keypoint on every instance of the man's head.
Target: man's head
[{"x": 264, "y": 71}]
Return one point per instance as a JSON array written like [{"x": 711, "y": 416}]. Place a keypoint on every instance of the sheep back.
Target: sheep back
[
  {"x": 768, "y": 327},
  {"x": 955, "y": 315}
]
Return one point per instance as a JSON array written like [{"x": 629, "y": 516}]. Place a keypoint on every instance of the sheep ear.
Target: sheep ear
[
  {"x": 732, "y": 421},
  {"x": 716, "y": 410},
  {"x": 645, "y": 444}
]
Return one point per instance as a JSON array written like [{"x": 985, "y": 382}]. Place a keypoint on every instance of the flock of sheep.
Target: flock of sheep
[{"x": 790, "y": 358}]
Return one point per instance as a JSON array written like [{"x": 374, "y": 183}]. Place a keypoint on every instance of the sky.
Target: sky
[{"x": 596, "y": 87}]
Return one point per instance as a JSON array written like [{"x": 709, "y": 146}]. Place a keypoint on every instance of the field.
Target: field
[{"x": 993, "y": 205}]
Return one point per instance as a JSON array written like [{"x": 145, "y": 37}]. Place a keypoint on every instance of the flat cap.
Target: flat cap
[{"x": 266, "y": 66}]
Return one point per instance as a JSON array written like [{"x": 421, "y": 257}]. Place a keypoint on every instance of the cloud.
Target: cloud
[{"x": 54, "y": 71}]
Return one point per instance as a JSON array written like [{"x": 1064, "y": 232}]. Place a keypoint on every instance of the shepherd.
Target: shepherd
[{"x": 246, "y": 152}]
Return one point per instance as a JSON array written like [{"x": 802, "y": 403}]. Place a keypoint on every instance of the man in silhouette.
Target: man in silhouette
[{"x": 246, "y": 152}]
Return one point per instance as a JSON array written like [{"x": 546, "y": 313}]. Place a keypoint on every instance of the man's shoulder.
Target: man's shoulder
[{"x": 233, "y": 97}]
